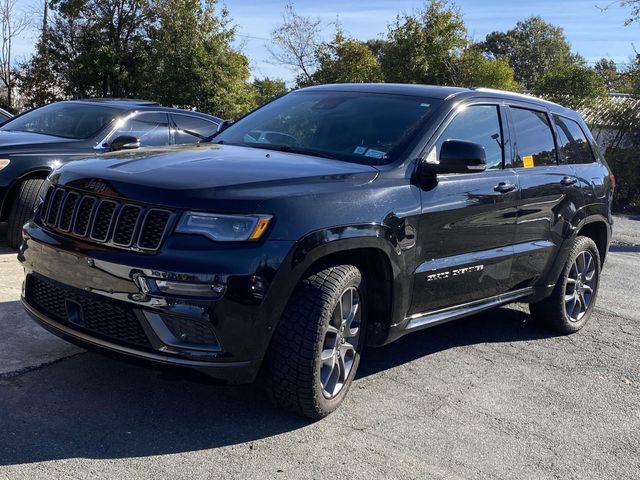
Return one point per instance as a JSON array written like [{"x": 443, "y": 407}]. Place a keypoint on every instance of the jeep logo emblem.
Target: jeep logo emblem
[{"x": 96, "y": 186}]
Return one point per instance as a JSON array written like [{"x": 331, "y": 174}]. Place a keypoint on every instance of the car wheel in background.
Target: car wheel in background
[{"x": 22, "y": 209}]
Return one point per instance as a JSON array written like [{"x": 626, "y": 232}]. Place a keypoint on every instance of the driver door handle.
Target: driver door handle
[
  {"x": 504, "y": 187},
  {"x": 568, "y": 181}
]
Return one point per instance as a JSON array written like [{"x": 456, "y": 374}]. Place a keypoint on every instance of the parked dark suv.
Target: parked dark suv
[
  {"x": 332, "y": 218},
  {"x": 35, "y": 142}
]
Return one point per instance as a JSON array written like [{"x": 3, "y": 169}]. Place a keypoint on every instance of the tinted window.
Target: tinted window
[
  {"x": 370, "y": 128},
  {"x": 574, "y": 146},
  {"x": 67, "y": 120},
  {"x": 477, "y": 124},
  {"x": 534, "y": 140},
  {"x": 152, "y": 129},
  {"x": 192, "y": 129}
]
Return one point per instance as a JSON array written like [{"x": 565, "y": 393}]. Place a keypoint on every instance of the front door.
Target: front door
[{"x": 468, "y": 221}]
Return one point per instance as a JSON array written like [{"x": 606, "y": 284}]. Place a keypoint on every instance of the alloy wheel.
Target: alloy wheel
[
  {"x": 340, "y": 343},
  {"x": 581, "y": 285}
]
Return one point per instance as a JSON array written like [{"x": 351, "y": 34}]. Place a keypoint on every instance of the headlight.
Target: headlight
[
  {"x": 4, "y": 162},
  {"x": 224, "y": 228}
]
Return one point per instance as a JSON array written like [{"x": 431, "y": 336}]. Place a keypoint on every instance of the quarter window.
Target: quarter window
[
  {"x": 574, "y": 146},
  {"x": 477, "y": 124},
  {"x": 152, "y": 129},
  {"x": 534, "y": 138},
  {"x": 192, "y": 129}
]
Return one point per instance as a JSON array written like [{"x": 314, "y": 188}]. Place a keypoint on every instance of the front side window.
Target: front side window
[
  {"x": 370, "y": 128},
  {"x": 76, "y": 121},
  {"x": 534, "y": 138},
  {"x": 152, "y": 129},
  {"x": 191, "y": 129},
  {"x": 477, "y": 124},
  {"x": 574, "y": 146}
]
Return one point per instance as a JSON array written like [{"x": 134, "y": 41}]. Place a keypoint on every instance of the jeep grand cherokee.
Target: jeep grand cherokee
[{"x": 332, "y": 218}]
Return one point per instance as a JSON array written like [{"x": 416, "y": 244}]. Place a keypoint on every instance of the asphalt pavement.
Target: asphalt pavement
[{"x": 490, "y": 396}]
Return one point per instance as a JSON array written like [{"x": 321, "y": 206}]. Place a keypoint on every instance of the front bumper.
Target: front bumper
[{"x": 95, "y": 296}]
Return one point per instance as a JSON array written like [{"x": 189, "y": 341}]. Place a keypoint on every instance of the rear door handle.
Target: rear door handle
[
  {"x": 568, "y": 181},
  {"x": 504, "y": 187}
]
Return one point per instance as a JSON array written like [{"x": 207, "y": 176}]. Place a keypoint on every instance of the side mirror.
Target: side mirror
[
  {"x": 458, "y": 156},
  {"x": 224, "y": 125},
  {"x": 124, "y": 142}
]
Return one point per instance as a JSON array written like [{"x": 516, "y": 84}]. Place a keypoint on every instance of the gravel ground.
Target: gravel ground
[{"x": 491, "y": 396}]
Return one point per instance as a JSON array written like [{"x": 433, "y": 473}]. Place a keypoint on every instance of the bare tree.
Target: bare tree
[
  {"x": 295, "y": 43},
  {"x": 12, "y": 24}
]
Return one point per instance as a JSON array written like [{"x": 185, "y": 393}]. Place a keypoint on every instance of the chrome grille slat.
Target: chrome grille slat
[
  {"x": 104, "y": 220},
  {"x": 83, "y": 217},
  {"x": 127, "y": 224},
  {"x": 53, "y": 212},
  {"x": 68, "y": 211}
]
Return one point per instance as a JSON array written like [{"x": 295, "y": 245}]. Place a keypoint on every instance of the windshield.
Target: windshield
[
  {"x": 357, "y": 127},
  {"x": 68, "y": 120}
]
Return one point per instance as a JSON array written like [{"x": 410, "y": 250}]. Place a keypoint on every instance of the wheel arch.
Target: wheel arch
[
  {"x": 598, "y": 230},
  {"x": 596, "y": 227},
  {"x": 373, "y": 250}
]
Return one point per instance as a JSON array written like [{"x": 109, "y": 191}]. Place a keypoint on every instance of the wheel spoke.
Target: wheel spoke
[
  {"x": 327, "y": 355},
  {"x": 587, "y": 265},
  {"x": 340, "y": 341},
  {"x": 333, "y": 330}
]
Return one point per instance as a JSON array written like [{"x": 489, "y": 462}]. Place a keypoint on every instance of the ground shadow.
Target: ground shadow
[{"x": 92, "y": 406}]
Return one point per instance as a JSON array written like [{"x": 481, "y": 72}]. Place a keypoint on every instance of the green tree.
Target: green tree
[
  {"x": 421, "y": 45},
  {"x": 473, "y": 69},
  {"x": 571, "y": 85},
  {"x": 267, "y": 89},
  {"x": 193, "y": 62},
  {"x": 344, "y": 60},
  {"x": 99, "y": 47},
  {"x": 532, "y": 48},
  {"x": 36, "y": 77}
]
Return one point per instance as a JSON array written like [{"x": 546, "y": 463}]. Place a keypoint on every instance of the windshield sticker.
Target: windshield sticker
[
  {"x": 374, "y": 153},
  {"x": 360, "y": 150}
]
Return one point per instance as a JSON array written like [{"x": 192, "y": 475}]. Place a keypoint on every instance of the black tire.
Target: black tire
[
  {"x": 294, "y": 365},
  {"x": 22, "y": 209},
  {"x": 566, "y": 316}
]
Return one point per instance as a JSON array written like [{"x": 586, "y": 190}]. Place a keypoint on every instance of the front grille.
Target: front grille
[
  {"x": 107, "y": 221},
  {"x": 106, "y": 319}
]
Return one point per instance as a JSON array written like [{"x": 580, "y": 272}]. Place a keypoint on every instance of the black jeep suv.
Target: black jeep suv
[{"x": 332, "y": 218}]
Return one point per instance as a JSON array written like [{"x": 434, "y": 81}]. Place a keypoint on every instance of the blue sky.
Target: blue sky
[{"x": 591, "y": 32}]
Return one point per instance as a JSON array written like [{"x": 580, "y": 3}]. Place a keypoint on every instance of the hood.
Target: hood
[
  {"x": 14, "y": 140},
  {"x": 182, "y": 176}
]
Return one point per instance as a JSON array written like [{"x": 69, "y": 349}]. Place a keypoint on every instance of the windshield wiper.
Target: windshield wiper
[{"x": 290, "y": 149}]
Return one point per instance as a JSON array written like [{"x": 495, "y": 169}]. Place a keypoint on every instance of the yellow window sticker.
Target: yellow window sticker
[{"x": 527, "y": 161}]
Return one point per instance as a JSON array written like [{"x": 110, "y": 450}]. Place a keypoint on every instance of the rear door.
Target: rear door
[
  {"x": 468, "y": 221},
  {"x": 191, "y": 129},
  {"x": 579, "y": 154},
  {"x": 549, "y": 192}
]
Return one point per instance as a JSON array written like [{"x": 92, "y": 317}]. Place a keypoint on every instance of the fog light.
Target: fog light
[{"x": 190, "y": 289}]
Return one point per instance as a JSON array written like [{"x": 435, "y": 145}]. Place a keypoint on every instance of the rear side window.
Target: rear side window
[
  {"x": 192, "y": 129},
  {"x": 152, "y": 129},
  {"x": 574, "y": 146},
  {"x": 477, "y": 124},
  {"x": 534, "y": 138}
]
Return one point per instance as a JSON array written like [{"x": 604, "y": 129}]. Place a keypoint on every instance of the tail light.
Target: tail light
[{"x": 612, "y": 179}]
